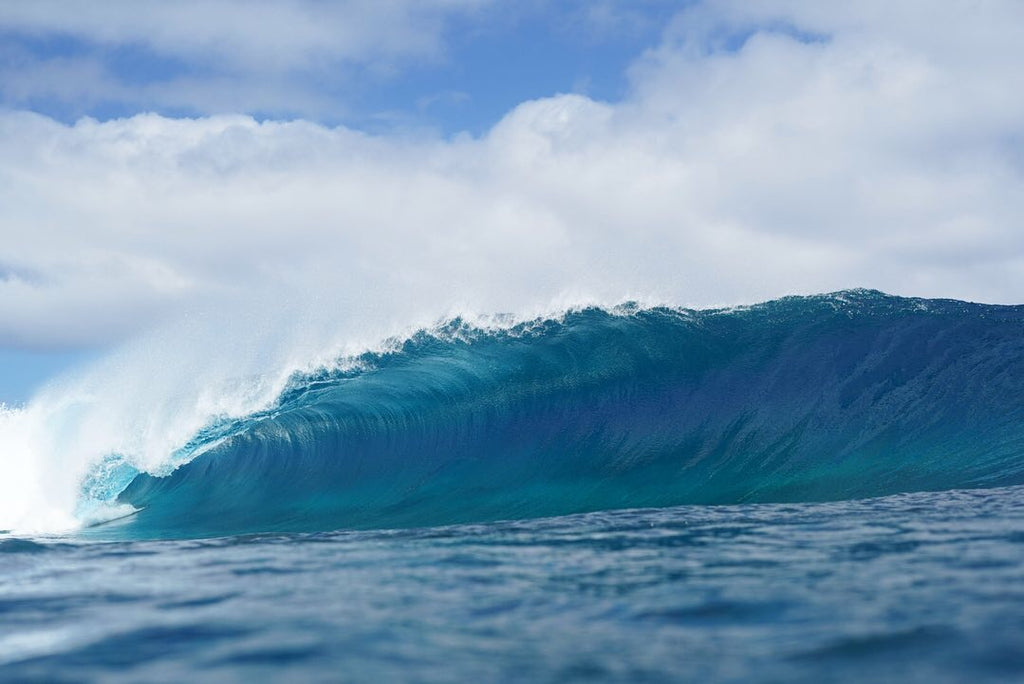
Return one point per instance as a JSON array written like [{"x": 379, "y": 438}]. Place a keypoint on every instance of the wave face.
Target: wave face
[{"x": 850, "y": 395}]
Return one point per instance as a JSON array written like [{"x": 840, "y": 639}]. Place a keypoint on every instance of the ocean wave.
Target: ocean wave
[{"x": 850, "y": 395}]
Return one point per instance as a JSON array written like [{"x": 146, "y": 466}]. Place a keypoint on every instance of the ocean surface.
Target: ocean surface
[
  {"x": 907, "y": 588},
  {"x": 820, "y": 489}
]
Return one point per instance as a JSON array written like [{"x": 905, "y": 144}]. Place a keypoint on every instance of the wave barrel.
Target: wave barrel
[{"x": 850, "y": 395}]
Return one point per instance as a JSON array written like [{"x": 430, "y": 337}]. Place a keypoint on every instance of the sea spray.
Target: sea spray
[{"x": 174, "y": 393}]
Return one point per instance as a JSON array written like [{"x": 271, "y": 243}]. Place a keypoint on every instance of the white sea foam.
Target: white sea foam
[{"x": 145, "y": 401}]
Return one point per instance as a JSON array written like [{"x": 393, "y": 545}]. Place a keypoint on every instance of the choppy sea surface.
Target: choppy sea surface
[{"x": 925, "y": 587}]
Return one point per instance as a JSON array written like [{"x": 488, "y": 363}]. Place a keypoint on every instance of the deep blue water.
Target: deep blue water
[
  {"x": 814, "y": 489},
  {"x": 910, "y": 588}
]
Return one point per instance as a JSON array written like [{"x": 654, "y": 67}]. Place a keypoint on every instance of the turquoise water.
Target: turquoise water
[
  {"x": 909, "y": 588},
  {"x": 843, "y": 396}
]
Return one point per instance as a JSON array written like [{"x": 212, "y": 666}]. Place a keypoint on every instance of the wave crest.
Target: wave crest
[{"x": 850, "y": 395}]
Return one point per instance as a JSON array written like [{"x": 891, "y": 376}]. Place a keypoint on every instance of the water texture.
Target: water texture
[{"x": 910, "y": 588}]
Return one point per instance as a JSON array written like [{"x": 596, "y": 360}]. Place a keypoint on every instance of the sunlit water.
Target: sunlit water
[{"x": 918, "y": 587}]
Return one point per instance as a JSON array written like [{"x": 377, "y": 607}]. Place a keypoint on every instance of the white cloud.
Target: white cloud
[
  {"x": 280, "y": 35},
  {"x": 875, "y": 155},
  {"x": 284, "y": 56}
]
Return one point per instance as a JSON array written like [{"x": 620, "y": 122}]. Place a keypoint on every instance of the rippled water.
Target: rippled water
[{"x": 921, "y": 587}]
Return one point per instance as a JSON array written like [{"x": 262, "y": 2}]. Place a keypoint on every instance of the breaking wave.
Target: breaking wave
[{"x": 850, "y": 395}]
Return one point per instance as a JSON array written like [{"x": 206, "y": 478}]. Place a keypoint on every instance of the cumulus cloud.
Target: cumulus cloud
[{"x": 765, "y": 149}]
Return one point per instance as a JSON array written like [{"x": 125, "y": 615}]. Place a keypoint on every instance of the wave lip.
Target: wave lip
[{"x": 850, "y": 395}]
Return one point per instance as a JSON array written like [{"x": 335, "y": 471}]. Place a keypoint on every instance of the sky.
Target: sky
[{"x": 250, "y": 168}]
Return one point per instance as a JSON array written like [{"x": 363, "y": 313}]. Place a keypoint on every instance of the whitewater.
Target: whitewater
[{"x": 599, "y": 493}]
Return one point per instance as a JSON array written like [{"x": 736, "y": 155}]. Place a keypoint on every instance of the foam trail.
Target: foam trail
[{"x": 25, "y": 494}]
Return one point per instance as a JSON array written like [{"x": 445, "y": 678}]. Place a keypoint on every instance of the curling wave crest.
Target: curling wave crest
[{"x": 850, "y": 395}]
